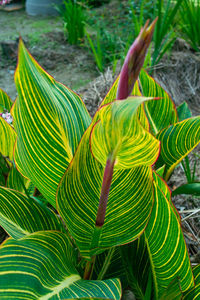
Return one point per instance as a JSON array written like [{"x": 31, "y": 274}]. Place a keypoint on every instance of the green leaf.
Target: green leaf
[
  {"x": 173, "y": 291},
  {"x": 166, "y": 191},
  {"x": 111, "y": 96},
  {"x": 109, "y": 265},
  {"x": 5, "y": 101},
  {"x": 183, "y": 111},
  {"x": 188, "y": 189},
  {"x": 136, "y": 262},
  {"x": 160, "y": 113},
  {"x": 112, "y": 93},
  {"x": 119, "y": 133},
  {"x": 4, "y": 170},
  {"x": 21, "y": 216},
  {"x": 160, "y": 171},
  {"x": 166, "y": 246},
  {"x": 41, "y": 266},
  {"x": 17, "y": 182},
  {"x": 129, "y": 203},
  {"x": 194, "y": 293},
  {"x": 7, "y": 141},
  {"x": 176, "y": 142},
  {"x": 50, "y": 120}
]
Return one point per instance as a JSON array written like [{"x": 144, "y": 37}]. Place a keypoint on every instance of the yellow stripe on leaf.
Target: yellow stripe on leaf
[{"x": 50, "y": 120}]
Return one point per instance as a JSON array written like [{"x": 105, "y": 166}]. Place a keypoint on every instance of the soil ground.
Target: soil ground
[{"x": 45, "y": 40}]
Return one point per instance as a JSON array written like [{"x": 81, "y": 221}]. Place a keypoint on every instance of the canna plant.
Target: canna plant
[{"x": 109, "y": 222}]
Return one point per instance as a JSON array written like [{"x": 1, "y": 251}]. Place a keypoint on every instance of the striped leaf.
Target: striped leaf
[
  {"x": 111, "y": 96},
  {"x": 136, "y": 262},
  {"x": 194, "y": 293},
  {"x": 7, "y": 141},
  {"x": 20, "y": 215},
  {"x": 129, "y": 203},
  {"x": 173, "y": 291},
  {"x": 166, "y": 191},
  {"x": 112, "y": 93},
  {"x": 119, "y": 133},
  {"x": 5, "y": 101},
  {"x": 50, "y": 120},
  {"x": 17, "y": 182},
  {"x": 109, "y": 265},
  {"x": 160, "y": 113},
  {"x": 176, "y": 142},
  {"x": 40, "y": 266},
  {"x": 166, "y": 246}
]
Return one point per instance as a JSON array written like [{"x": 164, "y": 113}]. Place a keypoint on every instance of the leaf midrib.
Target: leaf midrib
[{"x": 63, "y": 285}]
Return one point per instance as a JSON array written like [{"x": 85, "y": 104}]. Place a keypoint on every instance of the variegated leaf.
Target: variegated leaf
[
  {"x": 119, "y": 133},
  {"x": 194, "y": 293},
  {"x": 5, "y": 101},
  {"x": 109, "y": 265},
  {"x": 111, "y": 96},
  {"x": 50, "y": 120},
  {"x": 173, "y": 291},
  {"x": 176, "y": 142},
  {"x": 166, "y": 246},
  {"x": 21, "y": 216},
  {"x": 129, "y": 203},
  {"x": 7, "y": 141},
  {"x": 166, "y": 191},
  {"x": 160, "y": 113},
  {"x": 17, "y": 182},
  {"x": 41, "y": 266},
  {"x": 136, "y": 262}
]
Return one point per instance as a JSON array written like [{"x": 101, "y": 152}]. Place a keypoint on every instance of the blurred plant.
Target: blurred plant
[
  {"x": 104, "y": 46},
  {"x": 164, "y": 35},
  {"x": 95, "y": 3},
  {"x": 189, "y": 17},
  {"x": 73, "y": 15},
  {"x": 139, "y": 11},
  {"x": 4, "y": 2}
]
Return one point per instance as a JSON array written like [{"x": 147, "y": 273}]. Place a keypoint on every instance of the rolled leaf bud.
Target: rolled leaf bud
[{"x": 134, "y": 61}]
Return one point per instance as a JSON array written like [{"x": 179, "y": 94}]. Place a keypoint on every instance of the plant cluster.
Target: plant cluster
[
  {"x": 189, "y": 22},
  {"x": 73, "y": 15},
  {"x": 86, "y": 203},
  {"x": 175, "y": 18}
]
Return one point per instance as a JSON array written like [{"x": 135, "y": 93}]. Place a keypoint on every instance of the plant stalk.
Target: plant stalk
[
  {"x": 89, "y": 268},
  {"x": 107, "y": 179},
  {"x": 106, "y": 263}
]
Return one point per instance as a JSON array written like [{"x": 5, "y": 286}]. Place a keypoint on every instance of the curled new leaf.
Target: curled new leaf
[
  {"x": 120, "y": 134},
  {"x": 134, "y": 61}
]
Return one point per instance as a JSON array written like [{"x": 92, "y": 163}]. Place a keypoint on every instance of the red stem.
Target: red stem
[{"x": 107, "y": 179}]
